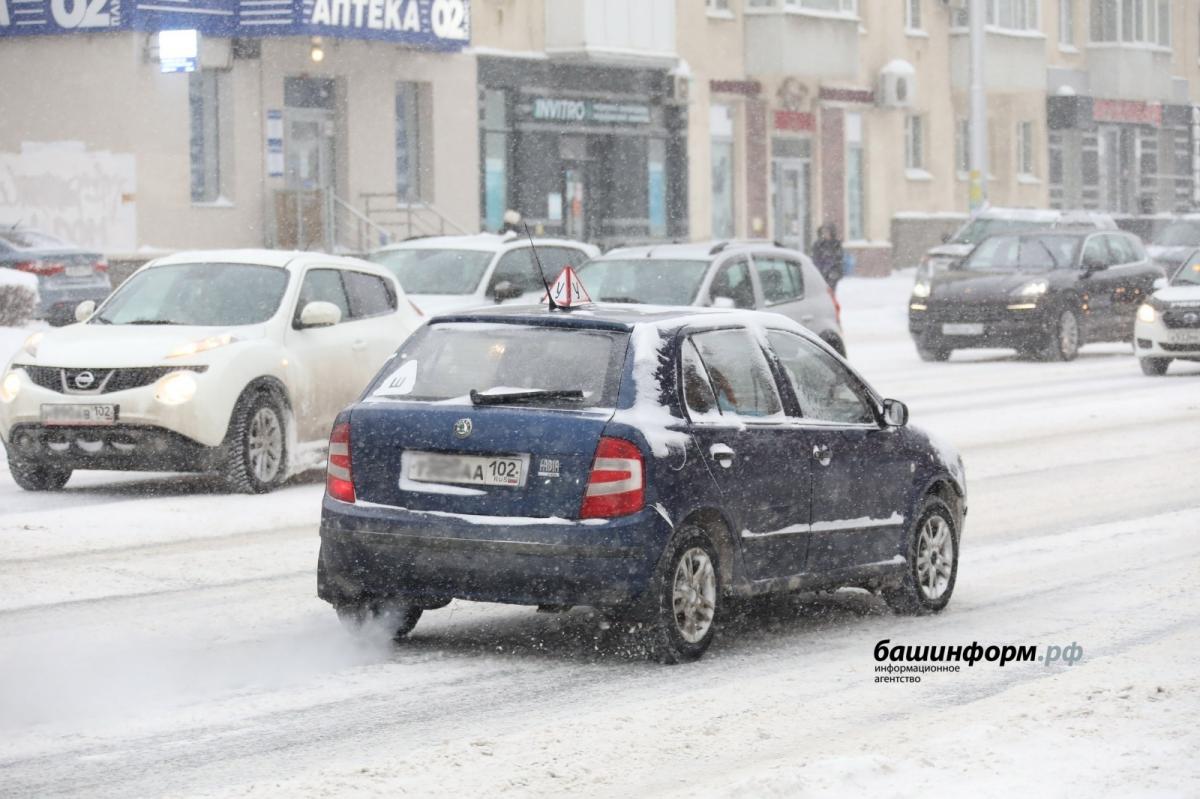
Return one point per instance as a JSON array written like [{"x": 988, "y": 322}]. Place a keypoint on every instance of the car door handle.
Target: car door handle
[
  {"x": 722, "y": 455},
  {"x": 822, "y": 453}
]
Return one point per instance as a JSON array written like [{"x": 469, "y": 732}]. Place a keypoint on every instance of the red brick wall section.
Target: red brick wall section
[
  {"x": 833, "y": 167},
  {"x": 756, "y": 167}
]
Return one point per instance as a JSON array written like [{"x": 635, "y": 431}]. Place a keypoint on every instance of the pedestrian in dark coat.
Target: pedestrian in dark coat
[{"x": 827, "y": 254}]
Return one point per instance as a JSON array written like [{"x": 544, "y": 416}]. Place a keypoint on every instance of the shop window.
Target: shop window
[
  {"x": 410, "y": 144},
  {"x": 495, "y": 157},
  {"x": 721, "y": 131},
  {"x": 855, "y": 178},
  {"x": 1133, "y": 21},
  {"x": 1025, "y": 158},
  {"x": 206, "y": 145},
  {"x": 914, "y": 142}
]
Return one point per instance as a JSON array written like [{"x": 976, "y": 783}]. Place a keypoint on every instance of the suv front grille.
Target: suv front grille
[
  {"x": 103, "y": 381},
  {"x": 1189, "y": 318}
]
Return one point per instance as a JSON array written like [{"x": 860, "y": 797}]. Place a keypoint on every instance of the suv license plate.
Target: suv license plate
[
  {"x": 1183, "y": 337},
  {"x": 486, "y": 470},
  {"x": 969, "y": 329},
  {"x": 84, "y": 415}
]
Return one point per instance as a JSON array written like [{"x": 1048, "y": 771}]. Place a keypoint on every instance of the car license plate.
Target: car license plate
[
  {"x": 487, "y": 470},
  {"x": 79, "y": 414},
  {"x": 968, "y": 329},
  {"x": 1183, "y": 337},
  {"x": 79, "y": 271}
]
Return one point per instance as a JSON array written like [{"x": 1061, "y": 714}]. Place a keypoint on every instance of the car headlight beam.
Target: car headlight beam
[
  {"x": 1146, "y": 313},
  {"x": 921, "y": 289},
  {"x": 10, "y": 387},
  {"x": 176, "y": 388}
]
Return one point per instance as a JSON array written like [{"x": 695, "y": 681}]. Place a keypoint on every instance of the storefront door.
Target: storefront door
[
  {"x": 308, "y": 148},
  {"x": 789, "y": 186}
]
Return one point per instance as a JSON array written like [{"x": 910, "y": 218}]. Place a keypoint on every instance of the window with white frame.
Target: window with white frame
[
  {"x": 205, "y": 144},
  {"x": 1025, "y": 161},
  {"x": 962, "y": 145},
  {"x": 914, "y": 142},
  {"x": 848, "y": 7},
  {"x": 410, "y": 145},
  {"x": 912, "y": 15},
  {"x": 718, "y": 6},
  {"x": 1016, "y": 15},
  {"x": 856, "y": 205},
  {"x": 1132, "y": 21},
  {"x": 1066, "y": 23}
]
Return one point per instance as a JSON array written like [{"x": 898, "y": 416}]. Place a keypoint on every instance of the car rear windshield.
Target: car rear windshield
[
  {"x": 1179, "y": 234},
  {"x": 1037, "y": 252},
  {"x": 977, "y": 230},
  {"x": 197, "y": 294},
  {"x": 448, "y": 360},
  {"x": 648, "y": 280},
  {"x": 436, "y": 271}
]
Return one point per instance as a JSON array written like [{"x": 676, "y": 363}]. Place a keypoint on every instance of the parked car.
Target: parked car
[
  {"x": 1175, "y": 242},
  {"x": 1168, "y": 323},
  {"x": 234, "y": 362},
  {"x": 991, "y": 221},
  {"x": 652, "y": 462},
  {"x": 452, "y": 273},
  {"x": 67, "y": 275},
  {"x": 747, "y": 275},
  {"x": 1045, "y": 293}
]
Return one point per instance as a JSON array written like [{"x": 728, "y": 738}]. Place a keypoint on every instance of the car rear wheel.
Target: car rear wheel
[
  {"x": 255, "y": 449},
  {"x": 687, "y": 599},
  {"x": 1154, "y": 366},
  {"x": 933, "y": 351},
  {"x": 932, "y": 560},
  {"x": 37, "y": 477},
  {"x": 1062, "y": 338},
  {"x": 397, "y": 617}
]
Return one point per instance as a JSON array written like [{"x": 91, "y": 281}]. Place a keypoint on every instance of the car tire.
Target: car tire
[
  {"x": 38, "y": 477},
  {"x": 254, "y": 457},
  {"x": 395, "y": 616},
  {"x": 1062, "y": 338},
  {"x": 1155, "y": 367},
  {"x": 931, "y": 562},
  {"x": 686, "y": 596},
  {"x": 932, "y": 351}
]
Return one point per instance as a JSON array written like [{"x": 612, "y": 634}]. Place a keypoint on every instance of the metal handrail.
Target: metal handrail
[{"x": 407, "y": 219}]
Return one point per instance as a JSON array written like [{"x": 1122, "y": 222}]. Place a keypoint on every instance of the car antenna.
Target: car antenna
[{"x": 554, "y": 306}]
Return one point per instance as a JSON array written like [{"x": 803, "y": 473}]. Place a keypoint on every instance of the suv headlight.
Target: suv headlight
[
  {"x": 1146, "y": 313},
  {"x": 921, "y": 289},
  {"x": 10, "y": 387}
]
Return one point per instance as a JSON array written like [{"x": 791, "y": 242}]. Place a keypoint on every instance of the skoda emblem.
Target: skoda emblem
[
  {"x": 462, "y": 428},
  {"x": 84, "y": 380}
]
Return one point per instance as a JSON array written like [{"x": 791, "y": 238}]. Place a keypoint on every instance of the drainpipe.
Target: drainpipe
[{"x": 978, "y": 97}]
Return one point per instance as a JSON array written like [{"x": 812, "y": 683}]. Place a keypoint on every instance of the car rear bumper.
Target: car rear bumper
[{"x": 374, "y": 551}]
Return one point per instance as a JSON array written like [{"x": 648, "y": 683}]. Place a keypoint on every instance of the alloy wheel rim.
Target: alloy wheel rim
[
  {"x": 935, "y": 557},
  {"x": 1068, "y": 333},
  {"x": 265, "y": 445},
  {"x": 694, "y": 595}
]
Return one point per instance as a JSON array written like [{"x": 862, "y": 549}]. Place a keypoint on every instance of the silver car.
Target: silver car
[{"x": 750, "y": 275}]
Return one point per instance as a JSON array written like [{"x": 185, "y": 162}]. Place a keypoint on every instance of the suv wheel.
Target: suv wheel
[
  {"x": 1154, "y": 366},
  {"x": 396, "y": 616},
  {"x": 38, "y": 477},
  {"x": 255, "y": 449},
  {"x": 687, "y": 595},
  {"x": 1062, "y": 338},
  {"x": 932, "y": 562},
  {"x": 932, "y": 350}
]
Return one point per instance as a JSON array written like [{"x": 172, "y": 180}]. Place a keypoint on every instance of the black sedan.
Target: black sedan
[{"x": 1044, "y": 293}]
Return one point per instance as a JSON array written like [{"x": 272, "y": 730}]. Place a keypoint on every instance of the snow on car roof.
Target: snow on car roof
[
  {"x": 690, "y": 251},
  {"x": 260, "y": 257},
  {"x": 484, "y": 242}
]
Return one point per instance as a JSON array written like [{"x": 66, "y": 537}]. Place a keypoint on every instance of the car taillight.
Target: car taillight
[
  {"x": 339, "y": 479},
  {"x": 837, "y": 306},
  {"x": 617, "y": 484},
  {"x": 100, "y": 266},
  {"x": 39, "y": 268}
]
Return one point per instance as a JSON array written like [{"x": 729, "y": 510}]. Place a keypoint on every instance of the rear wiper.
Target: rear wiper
[{"x": 511, "y": 397}]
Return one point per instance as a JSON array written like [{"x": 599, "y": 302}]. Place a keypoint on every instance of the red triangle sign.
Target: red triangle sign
[{"x": 568, "y": 290}]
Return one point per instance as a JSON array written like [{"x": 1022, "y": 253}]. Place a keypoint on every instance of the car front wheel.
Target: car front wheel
[
  {"x": 933, "y": 351},
  {"x": 687, "y": 599},
  {"x": 255, "y": 449},
  {"x": 1154, "y": 366},
  {"x": 1062, "y": 338},
  {"x": 932, "y": 562},
  {"x": 37, "y": 477}
]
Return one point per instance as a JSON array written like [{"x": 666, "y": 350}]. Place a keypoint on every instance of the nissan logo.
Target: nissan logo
[
  {"x": 462, "y": 428},
  {"x": 84, "y": 380}
]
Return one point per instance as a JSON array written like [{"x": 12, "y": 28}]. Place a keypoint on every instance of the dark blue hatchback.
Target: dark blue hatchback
[{"x": 650, "y": 462}]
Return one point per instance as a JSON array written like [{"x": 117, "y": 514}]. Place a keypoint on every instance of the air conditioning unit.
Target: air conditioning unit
[{"x": 897, "y": 85}]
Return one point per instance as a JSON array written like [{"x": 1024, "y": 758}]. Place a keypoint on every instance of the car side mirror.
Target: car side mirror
[
  {"x": 895, "y": 413},
  {"x": 506, "y": 290},
  {"x": 957, "y": 264},
  {"x": 320, "y": 314},
  {"x": 84, "y": 310},
  {"x": 946, "y": 238},
  {"x": 723, "y": 302},
  {"x": 1160, "y": 283}
]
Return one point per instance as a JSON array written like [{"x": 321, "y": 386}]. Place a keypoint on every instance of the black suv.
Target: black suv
[{"x": 1044, "y": 293}]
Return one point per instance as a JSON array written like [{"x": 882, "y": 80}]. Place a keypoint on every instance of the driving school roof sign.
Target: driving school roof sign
[{"x": 433, "y": 24}]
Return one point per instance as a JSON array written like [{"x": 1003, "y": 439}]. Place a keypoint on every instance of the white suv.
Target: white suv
[
  {"x": 444, "y": 274},
  {"x": 1168, "y": 324},
  {"x": 227, "y": 361}
]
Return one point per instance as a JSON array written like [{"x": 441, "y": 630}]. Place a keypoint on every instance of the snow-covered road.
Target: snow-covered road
[{"x": 159, "y": 638}]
